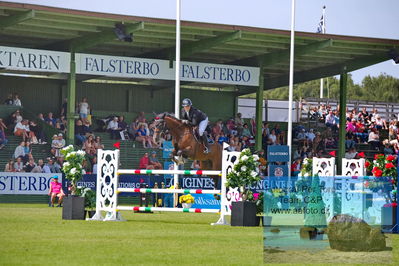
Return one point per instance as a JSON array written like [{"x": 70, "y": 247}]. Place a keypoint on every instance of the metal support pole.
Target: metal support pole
[
  {"x": 259, "y": 110},
  {"x": 177, "y": 87},
  {"x": 291, "y": 85},
  {"x": 71, "y": 95},
  {"x": 342, "y": 118}
]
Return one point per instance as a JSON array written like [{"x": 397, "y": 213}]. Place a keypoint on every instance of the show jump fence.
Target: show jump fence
[{"x": 108, "y": 190}]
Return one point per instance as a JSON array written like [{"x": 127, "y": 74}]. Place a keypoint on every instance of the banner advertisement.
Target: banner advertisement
[
  {"x": 26, "y": 183},
  {"x": 278, "y": 170},
  {"x": 34, "y": 60},
  {"x": 278, "y": 153}
]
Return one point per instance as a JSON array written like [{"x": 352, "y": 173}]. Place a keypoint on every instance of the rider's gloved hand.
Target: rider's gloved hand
[{"x": 185, "y": 121}]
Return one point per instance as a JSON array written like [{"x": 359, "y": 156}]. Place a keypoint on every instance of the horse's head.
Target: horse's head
[{"x": 159, "y": 127}]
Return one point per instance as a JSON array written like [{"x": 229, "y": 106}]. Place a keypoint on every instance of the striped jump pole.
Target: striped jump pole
[
  {"x": 165, "y": 209},
  {"x": 108, "y": 187},
  {"x": 168, "y": 172},
  {"x": 166, "y": 190}
]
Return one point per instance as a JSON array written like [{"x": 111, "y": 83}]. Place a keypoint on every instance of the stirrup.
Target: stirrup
[{"x": 206, "y": 150}]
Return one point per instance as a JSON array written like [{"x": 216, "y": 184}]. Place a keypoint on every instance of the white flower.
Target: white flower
[
  {"x": 256, "y": 157},
  {"x": 66, "y": 164},
  {"x": 246, "y": 150},
  {"x": 305, "y": 174},
  {"x": 244, "y": 158},
  {"x": 80, "y": 152},
  {"x": 73, "y": 171},
  {"x": 243, "y": 168},
  {"x": 254, "y": 174}
]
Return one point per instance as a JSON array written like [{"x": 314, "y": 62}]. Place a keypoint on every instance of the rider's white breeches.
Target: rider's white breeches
[{"x": 202, "y": 126}]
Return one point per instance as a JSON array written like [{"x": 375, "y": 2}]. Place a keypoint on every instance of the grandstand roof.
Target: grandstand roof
[{"x": 317, "y": 55}]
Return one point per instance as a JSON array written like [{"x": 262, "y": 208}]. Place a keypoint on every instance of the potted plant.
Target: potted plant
[
  {"x": 74, "y": 204},
  {"x": 90, "y": 201},
  {"x": 244, "y": 174},
  {"x": 384, "y": 169},
  {"x": 186, "y": 201}
]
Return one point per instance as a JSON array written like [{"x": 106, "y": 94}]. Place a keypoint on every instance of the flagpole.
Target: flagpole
[
  {"x": 291, "y": 85},
  {"x": 177, "y": 87},
  {"x": 323, "y": 31}
]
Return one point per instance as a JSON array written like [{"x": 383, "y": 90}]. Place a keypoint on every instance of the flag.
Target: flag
[
  {"x": 333, "y": 153},
  {"x": 117, "y": 145},
  {"x": 361, "y": 154},
  {"x": 321, "y": 28}
]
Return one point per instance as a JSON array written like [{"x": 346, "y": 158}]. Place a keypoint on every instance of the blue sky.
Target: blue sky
[{"x": 368, "y": 18}]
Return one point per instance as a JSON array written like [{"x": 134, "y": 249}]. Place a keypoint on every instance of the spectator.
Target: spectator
[
  {"x": 27, "y": 150},
  {"x": 330, "y": 120},
  {"x": 349, "y": 142},
  {"x": 21, "y": 130},
  {"x": 17, "y": 101},
  {"x": 39, "y": 167},
  {"x": 222, "y": 138},
  {"x": 40, "y": 117},
  {"x": 3, "y": 126},
  {"x": 195, "y": 165},
  {"x": 57, "y": 144},
  {"x": 245, "y": 131},
  {"x": 84, "y": 109},
  {"x": 310, "y": 136},
  {"x": 374, "y": 139},
  {"x": 143, "y": 137},
  {"x": 3, "y": 139},
  {"x": 56, "y": 191},
  {"x": 50, "y": 119},
  {"x": 94, "y": 165},
  {"x": 9, "y": 166},
  {"x": 89, "y": 146},
  {"x": 49, "y": 166},
  {"x": 30, "y": 165},
  {"x": 380, "y": 123},
  {"x": 20, "y": 151},
  {"x": 80, "y": 134},
  {"x": 64, "y": 107},
  {"x": 98, "y": 144},
  {"x": 351, "y": 153},
  {"x": 239, "y": 123},
  {"x": 140, "y": 118},
  {"x": 145, "y": 162},
  {"x": 58, "y": 164},
  {"x": 122, "y": 125},
  {"x": 388, "y": 150},
  {"x": 19, "y": 165},
  {"x": 113, "y": 128},
  {"x": 38, "y": 132},
  {"x": 296, "y": 167},
  {"x": 272, "y": 138},
  {"x": 9, "y": 100},
  {"x": 154, "y": 161}
]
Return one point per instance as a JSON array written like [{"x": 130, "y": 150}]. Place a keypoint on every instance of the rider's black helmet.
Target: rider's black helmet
[{"x": 187, "y": 102}]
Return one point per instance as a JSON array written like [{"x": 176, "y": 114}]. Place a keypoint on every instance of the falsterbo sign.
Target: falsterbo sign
[
  {"x": 130, "y": 67},
  {"x": 34, "y": 60},
  {"x": 26, "y": 183},
  {"x": 125, "y": 67}
]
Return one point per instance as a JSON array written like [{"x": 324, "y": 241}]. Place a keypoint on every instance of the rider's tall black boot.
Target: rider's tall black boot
[{"x": 205, "y": 142}]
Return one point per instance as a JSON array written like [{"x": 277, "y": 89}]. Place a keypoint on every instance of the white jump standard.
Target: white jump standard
[{"x": 108, "y": 190}]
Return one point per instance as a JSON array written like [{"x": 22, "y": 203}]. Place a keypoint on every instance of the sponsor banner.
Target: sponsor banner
[
  {"x": 144, "y": 68},
  {"x": 278, "y": 153},
  {"x": 26, "y": 183},
  {"x": 278, "y": 170},
  {"x": 34, "y": 60},
  {"x": 167, "y": 149},
  {"x": 205, "y": 201},
  {"x": 223, "y": 74}
]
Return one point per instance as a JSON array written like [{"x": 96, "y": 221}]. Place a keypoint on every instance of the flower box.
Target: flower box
[
  {"x": 243, "y": 213},
  {"x": 73, "y": 208}
]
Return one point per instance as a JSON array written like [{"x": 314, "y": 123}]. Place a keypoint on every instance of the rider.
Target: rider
[{"x": 195, "y": 117}]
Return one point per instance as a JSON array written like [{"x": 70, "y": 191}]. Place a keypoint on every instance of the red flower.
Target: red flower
[
  {"x": 377, "y": 171},
  {"x": 390, "y": 158},
  {"x": 378, "y": 156},
  {"x": 394, "y": 204},
  {"x": 361, "y": 155},
  {"x": 389, "y": 165},
  {"x": 333, "y": 153},
  {"x": 367, "y": 164}
]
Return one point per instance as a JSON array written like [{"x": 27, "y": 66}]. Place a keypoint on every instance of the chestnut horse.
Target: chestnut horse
[{"x": 186, "y": 144}]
